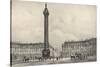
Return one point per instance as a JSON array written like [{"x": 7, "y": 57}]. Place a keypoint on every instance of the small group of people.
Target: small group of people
[{"x": 27, "y": 59}]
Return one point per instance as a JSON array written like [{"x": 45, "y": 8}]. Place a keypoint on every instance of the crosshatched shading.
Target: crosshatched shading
[{"x": 52, "y": 33}]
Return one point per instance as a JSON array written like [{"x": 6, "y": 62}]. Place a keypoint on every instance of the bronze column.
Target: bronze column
[{"x": 46, "y": 51}]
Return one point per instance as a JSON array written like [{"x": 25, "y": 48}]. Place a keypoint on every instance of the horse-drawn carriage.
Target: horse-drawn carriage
[{"x": 78, "y": 56}]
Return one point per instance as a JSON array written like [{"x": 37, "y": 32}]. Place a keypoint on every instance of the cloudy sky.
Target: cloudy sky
[{"x": 66, "y": 22}]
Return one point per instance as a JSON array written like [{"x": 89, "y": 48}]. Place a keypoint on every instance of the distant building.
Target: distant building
[
  {"x": 19, "y": 50},
  {"x": 86, "y": 47}
]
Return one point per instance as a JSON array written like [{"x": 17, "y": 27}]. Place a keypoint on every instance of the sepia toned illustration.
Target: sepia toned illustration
[{"x": 52, "y": 33}]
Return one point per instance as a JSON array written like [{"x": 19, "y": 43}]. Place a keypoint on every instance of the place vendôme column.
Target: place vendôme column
[{"x": 46, "y": 51}]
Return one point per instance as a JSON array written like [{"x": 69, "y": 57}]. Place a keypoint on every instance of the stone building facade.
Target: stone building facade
[
  {"x": 30, "y": 50},
  {"x": 86, "y": 48}
]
